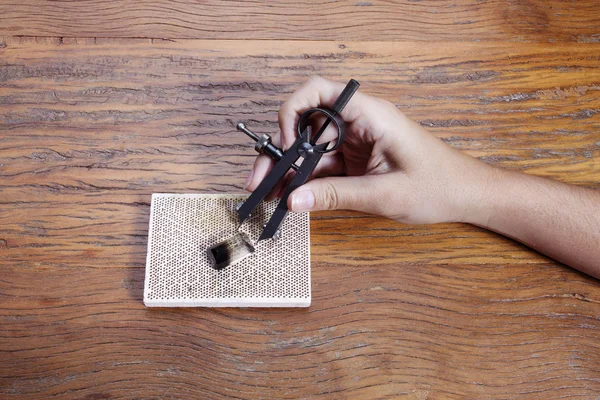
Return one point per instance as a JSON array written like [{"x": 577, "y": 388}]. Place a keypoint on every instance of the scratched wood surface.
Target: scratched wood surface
[
  {"x": 90, "y": 128},
  {"x": 431, "y": 20}
]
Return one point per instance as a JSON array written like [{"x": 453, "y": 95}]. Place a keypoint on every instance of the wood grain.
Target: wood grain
[
  {"x": 89, "y": 128},
  {"x": 396, "y": 331},
  {"x": 433, "y": 20}
]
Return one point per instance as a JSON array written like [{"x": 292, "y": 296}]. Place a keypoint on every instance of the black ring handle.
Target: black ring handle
[{"x": 340, "y": 124}]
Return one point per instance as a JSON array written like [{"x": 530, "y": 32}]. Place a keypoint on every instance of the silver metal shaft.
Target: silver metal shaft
[{"x": 242, "y": 128}]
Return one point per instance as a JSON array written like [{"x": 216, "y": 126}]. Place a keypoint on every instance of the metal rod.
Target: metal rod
[
  {"x": 338, "y": 106},
  {"x": 273, "y": 151},
  {"x": 242, "y": 128}
]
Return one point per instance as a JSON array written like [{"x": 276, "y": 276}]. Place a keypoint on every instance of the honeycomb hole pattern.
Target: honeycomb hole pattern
[{"x": 178, "y": 268}]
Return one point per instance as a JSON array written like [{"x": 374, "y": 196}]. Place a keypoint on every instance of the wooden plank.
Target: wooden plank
[
  {"x": 90, "y": 128},
  {"x": 464, "y": 20},
  {"x": 102, "y": 126},
  {"x": 401, "y": 330}
]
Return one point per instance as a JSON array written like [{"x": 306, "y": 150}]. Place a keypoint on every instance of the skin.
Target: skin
[{"x": 393, "y": 167}]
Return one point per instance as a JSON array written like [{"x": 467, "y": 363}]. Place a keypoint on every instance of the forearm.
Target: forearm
[
  {"x": 391, "y": 166},
  {"x": 559, "y": 220}
]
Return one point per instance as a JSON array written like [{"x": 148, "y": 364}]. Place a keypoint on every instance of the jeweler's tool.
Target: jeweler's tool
[{"x": 305, "y": 147}]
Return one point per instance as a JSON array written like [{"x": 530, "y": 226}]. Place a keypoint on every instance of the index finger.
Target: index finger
[{"x": 317, "y": 92}]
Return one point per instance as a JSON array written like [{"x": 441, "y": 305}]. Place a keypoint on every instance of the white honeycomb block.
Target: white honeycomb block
[{"x": 178, "y": 267}]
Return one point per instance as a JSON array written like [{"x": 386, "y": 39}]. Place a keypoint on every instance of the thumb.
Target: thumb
[{"x": 359, "y": 193}]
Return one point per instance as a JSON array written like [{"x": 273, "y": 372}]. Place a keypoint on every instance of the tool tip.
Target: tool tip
[
  {"x": 240, "y": 126},
  {"x": 263, "y": 237}
]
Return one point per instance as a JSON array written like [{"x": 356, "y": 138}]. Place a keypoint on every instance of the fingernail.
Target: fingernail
[
  {"x": 303, "y": 200},
  {"x": 248, "y": 180}
]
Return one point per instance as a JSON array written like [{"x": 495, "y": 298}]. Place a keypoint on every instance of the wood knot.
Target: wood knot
[
  {"x": 3, "y": 45},
  {"x": 3, "y": 244}
]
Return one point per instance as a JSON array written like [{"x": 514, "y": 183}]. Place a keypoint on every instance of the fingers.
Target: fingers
[
  {"x": 365, "y": 193},
  {"x": 330, "y": 166},
  {"x": 262, "y": 166},
  {"x": 314, "y": 93},
  {"x": 282, "y": 185}
]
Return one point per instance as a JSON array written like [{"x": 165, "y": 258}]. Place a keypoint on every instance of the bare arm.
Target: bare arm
[
  {"x": 559, "y": 220},
  {"x": 391, "y": 166}
]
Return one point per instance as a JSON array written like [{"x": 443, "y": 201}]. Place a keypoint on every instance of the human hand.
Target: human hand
[{"x": 388, "y": 165}]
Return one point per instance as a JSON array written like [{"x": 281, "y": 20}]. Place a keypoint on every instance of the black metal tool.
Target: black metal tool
[{"x": 305, "y": 147}]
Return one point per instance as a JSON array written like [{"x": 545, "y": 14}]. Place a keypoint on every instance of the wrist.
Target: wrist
[{"x": 479, "y": 193}]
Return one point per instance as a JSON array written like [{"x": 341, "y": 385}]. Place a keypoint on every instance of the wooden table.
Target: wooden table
[{"x": 104, "y": 103}]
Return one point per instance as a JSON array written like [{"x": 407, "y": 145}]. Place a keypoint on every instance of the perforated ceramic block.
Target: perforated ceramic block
[{"x": 179, "y": 271}]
